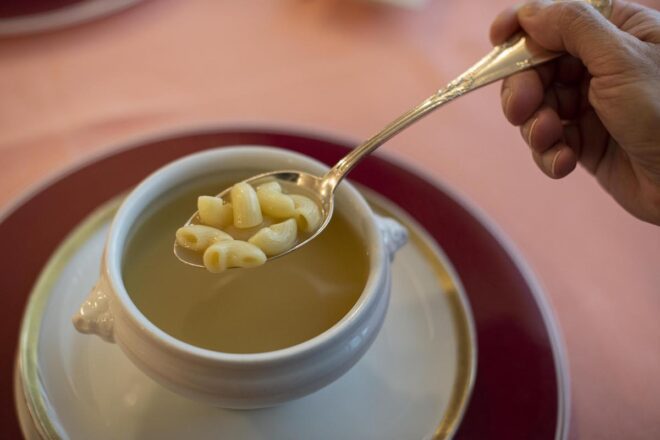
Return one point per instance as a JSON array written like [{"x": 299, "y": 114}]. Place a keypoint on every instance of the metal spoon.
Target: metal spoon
[{"x": 516, "y": 54}]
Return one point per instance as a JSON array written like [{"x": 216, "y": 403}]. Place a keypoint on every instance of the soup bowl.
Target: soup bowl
[{"x": 233, "y": 380}]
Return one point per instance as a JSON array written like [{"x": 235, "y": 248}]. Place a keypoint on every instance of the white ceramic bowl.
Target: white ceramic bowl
[{"x": 240, "y": 380}]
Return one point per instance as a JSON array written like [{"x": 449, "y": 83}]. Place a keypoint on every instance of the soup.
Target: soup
[{"x": 282, "y": 303}]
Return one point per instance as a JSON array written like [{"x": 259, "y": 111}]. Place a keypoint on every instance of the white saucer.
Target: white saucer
[{"x": 414, "y": 382}]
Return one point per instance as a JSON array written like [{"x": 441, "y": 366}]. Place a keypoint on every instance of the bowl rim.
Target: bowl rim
[{"x": 185, "y": 166}]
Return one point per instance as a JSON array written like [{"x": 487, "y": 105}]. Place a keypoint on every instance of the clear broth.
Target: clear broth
[{"x": 282, "y": 303}]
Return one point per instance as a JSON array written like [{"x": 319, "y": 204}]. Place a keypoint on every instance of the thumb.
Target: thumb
[{"x": 574, "y": 27}]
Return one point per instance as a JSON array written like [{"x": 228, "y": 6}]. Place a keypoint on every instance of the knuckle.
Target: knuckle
[{"x": 574, "y": 14}]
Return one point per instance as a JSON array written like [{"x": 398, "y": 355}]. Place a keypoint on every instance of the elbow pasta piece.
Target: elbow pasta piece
[
  {"x": 246, "y": 209},
  {"x": 308, "y": 213},
  {"x": 270, "y": 186},
  {"x": 275, "y": 203},
  {"x": 276, "y": 238},
  {"x": 199, "y": 237},
  {"x": 236, "y": 253},
  {"x": 213, "y": 211}
]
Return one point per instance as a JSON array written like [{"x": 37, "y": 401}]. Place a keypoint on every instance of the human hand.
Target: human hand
[{"x": 600, "y": 104}]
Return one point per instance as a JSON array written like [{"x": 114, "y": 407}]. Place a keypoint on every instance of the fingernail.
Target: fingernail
[
  {"x": 531, "y": 130},
  {"x": 554, "y": 163},
  {"x": 526, "y": 10},
  {"x": 506, "y": 97},
  {"x": 531, "y": 8}
]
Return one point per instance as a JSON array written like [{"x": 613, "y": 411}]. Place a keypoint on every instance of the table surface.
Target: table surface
[{"x": 346, "y": 68}]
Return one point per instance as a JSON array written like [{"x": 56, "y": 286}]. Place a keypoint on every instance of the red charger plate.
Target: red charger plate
[
  {"x": 21, "y": 8},
  {"x": 521, "y": 388},
  {"x": 23, "y": 17}
]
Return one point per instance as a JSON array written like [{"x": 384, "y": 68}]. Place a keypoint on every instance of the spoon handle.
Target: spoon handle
[{"x": 516, "y": 54}]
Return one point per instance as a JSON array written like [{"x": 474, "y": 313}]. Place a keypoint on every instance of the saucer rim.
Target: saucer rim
[
  {"x": 464, "y": 323},
  {"x": 27, "y": 353},
  {"x": 557, "y": 344}
]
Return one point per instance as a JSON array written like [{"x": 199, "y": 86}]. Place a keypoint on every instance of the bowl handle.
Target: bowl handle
[
  {"x": 394, "y": 234},
  {"x": 94, "y": 315}
]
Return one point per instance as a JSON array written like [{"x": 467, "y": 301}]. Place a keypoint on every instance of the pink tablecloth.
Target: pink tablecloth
[{"x": 347, "y": 67}]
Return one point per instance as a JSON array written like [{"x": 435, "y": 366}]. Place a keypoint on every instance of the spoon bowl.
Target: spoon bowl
[{"x": 296, "y": 182}]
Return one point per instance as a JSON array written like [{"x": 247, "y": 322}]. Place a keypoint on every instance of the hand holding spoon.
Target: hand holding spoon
[{"x": 517, "y": 54}]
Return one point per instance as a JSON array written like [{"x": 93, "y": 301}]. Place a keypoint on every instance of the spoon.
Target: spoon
[{"x": 516, "y": 54}]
